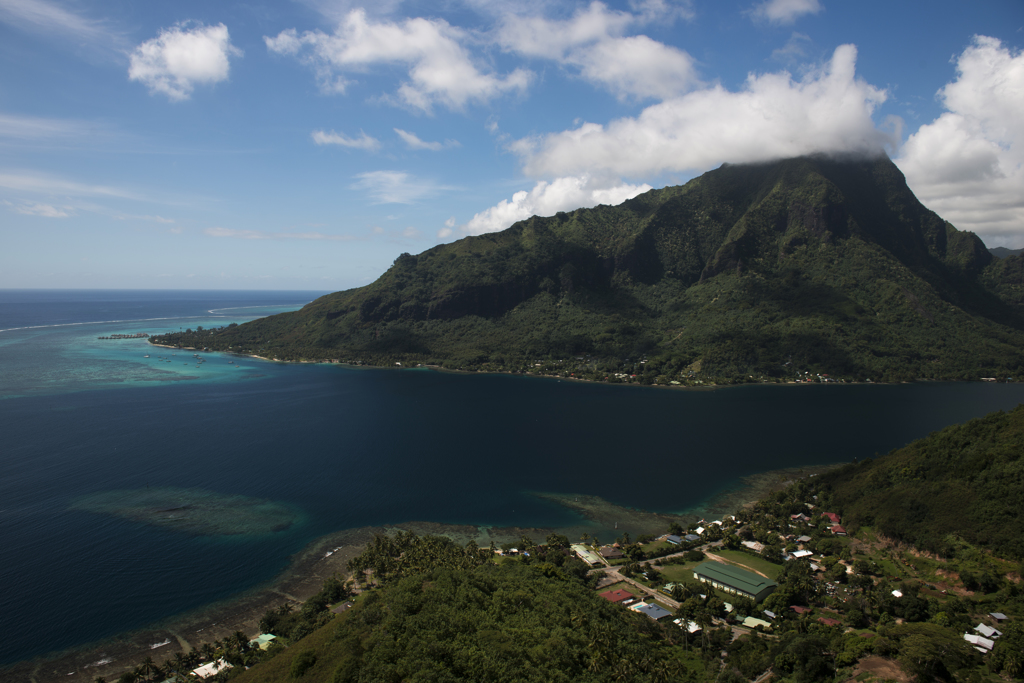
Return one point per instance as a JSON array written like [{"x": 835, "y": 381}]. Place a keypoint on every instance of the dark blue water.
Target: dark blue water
[{"x": 352, "y": 447}]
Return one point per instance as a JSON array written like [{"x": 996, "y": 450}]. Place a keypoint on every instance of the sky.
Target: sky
[{"x": 305, "y": 144}]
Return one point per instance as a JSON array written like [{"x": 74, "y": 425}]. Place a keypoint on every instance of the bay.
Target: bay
[{"x": 320, "y": 448}]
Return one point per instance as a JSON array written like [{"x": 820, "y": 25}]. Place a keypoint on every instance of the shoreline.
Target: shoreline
[
  {"x": 329, "y": 555},
  {"x": 458, "y": 371}
]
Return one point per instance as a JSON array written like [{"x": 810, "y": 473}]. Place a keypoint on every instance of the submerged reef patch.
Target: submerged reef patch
[{"x": 194, "y": 511}]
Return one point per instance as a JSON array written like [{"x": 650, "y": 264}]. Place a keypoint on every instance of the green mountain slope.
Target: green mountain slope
[
  {"x": 808, "y": 265},
  {"x": 965, "y": 481}
]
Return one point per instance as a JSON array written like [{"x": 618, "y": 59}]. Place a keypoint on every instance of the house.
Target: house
[
  {"x": 829, "y": 622},
  {"x": 897, "y": 593},
  {"x": 611, "y": 553},
  {"x": 753, "y": 545},
  {"x": 769, "y": 614},
  {"x": 586, "y": 554},
  {"x": 837, "y": 530},
  {"x": 988, "y": 631},
  {"x": 690, "y": 538},
  {"x": 998, "y": 616},
  {"x": 832, "y": 517},
  {"x": 691, "y": 626},
  {"x": 655, "y": 612},
  {"x": 262, "y": 641},
  {"x": 803, "y": 539},
  {"x": 801, "y": 553},
  {"x": 673, "y": 539},
  {"x": 980, "y": 644},
  {"x": 618, "y": 596},
  {"x": 731, "y": 579},
  {"x": 699, "y": 530},
  {"x": 207, "y": 670},
  {"x": 800, "y": 610},
  {"x": 800, "y": 518},
  {"x": 754, "y": 622}
]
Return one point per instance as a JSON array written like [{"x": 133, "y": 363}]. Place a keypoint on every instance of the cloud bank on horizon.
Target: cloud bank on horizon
[{"x": 491, "y": 112}]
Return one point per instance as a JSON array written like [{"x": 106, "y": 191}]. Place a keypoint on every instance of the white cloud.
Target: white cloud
[
  {"x": 263, "y": 235},
  {"x": 179, "y": 58},
  {"x": 27, "y": 181},
  {"x": 51, "y": 19},
  {"x": 536, "y": 36},
  {"x": 364, "y": 141},
  {"x": 636, "y": 67},
  {"x": 592, "y": 43},
  {"x": 968, "y": 164},
  {"x": 40, "y": 128},
  {"x": 44, "y": 210},
  {"x": 785, "y": 11},
  {"x": 395, "y": 187},
  {"x": 413, "y": 141},
  {"x": 410, "y": 232},
  {"x": 447, "y": 230},
  {"x": 772, "y": 116},
  {"x": 440, "y": 70},
  {"x": 793, "y": 50},
  {"x": 548, "y": 198},
  {"x": 154, "y": 219}
]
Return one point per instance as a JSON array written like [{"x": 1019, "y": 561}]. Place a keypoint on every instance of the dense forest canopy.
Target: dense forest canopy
[{"x": 963, "y": 483}]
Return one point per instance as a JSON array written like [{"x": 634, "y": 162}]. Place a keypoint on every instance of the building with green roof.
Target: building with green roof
[{"x": 731, "y": 579}]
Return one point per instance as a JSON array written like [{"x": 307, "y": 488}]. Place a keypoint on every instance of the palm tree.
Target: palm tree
[{"x": 147, "y": 667}]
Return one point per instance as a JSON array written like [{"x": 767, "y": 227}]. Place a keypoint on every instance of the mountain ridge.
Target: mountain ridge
[{"x": 809, "y": 265}]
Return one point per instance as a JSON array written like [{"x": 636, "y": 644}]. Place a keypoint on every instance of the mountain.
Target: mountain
[
  {"x": 1003, "y": 252},
  {"x": 810, "y": 265},
  {"x": 963, "y": 482}
]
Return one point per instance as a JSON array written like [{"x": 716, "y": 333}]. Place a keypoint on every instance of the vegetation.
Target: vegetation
[
  {"x": 809, "y": 269},
  {"x": 963, "y": 484}
]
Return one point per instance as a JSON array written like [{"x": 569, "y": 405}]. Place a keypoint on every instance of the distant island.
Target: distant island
[{"x": 806, "y": 269}]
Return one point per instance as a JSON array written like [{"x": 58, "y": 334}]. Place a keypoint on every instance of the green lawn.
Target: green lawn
[
  {"x": 678, "y": 573},
  {"x": 748, "y": 561},
  {"x": 656, "y": 545}
]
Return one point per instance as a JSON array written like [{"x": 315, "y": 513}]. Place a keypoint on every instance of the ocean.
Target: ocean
[{"x": 135, "y": 488}]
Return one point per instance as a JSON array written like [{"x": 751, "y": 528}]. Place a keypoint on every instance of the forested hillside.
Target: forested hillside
[
  {"x": 793, "y": 269},
  {"x": 965, "y": 482}
]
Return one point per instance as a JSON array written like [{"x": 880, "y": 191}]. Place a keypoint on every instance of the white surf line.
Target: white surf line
[
  {"x": 142, "y": 320},
  {"x": 100, "y": 322}
]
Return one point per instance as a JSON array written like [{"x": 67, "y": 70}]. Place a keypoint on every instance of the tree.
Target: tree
[
  {"x": 1008, "y": 653},
  {"x": 930, "y": 651}
]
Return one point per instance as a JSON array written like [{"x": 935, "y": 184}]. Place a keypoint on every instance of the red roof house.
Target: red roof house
[
  {"x": 832, "y": 517},
  {"x": 837, "y": 530},
  {"x": 617, "y": 596}
]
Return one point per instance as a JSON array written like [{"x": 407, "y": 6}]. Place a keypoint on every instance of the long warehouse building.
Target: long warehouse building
[{"x": 732, "y": 579}]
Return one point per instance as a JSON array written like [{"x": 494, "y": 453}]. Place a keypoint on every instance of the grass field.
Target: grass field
[{"x": 751, "y": 562}]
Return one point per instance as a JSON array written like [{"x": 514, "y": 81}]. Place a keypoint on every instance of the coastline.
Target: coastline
[
  {"x": 712, "y": 386},
  {"x": 328, "y": 555}
]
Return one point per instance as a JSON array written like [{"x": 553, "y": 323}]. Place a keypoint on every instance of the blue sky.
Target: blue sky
[{"x": 305, "y": 144}]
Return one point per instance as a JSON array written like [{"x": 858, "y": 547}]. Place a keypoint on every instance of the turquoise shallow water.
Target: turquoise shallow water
[{"x": 328, "y": 447}]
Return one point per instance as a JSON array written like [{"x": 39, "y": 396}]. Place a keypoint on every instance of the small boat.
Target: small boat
[{"x": 146, "y": 356}]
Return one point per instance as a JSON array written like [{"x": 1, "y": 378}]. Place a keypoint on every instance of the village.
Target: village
[{"x": 739, "y": 595}]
